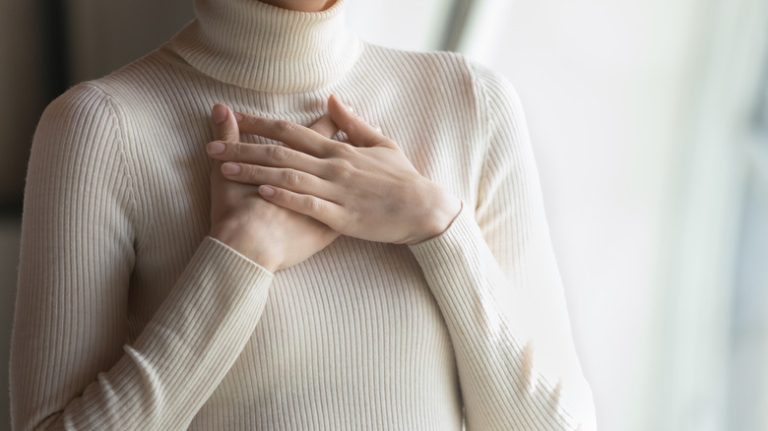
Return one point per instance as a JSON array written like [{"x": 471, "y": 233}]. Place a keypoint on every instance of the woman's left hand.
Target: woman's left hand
[{"x": 365, "y": 188}]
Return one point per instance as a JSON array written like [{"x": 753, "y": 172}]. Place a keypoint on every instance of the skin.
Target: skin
[
  {"x": 272, "y": 236},
  {"x": 365, "y": 188},
  {"x": 286, "y": 203},
  {"x": 302, "y": 5}
]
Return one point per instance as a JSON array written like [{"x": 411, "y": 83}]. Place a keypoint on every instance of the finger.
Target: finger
[
  {"x": 267, "y": 155},
  {"x": 224, "y": 124},
  {"x": 294, "y": 135},
  {"x": 224, "y": 127},
  {"x": 360, "y": 133},
  {"x": 291, "y": 179},
  {"x": 325, "y": 126},
  {"x": 329, "y": 213}
]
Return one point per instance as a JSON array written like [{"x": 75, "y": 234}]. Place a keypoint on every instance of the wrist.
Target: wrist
[
  {"x": 444, "y": 211},
  {"x": 247, "y": 243}
]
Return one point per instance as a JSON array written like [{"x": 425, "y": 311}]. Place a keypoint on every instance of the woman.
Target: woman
[{"x": 396, "y": 278}]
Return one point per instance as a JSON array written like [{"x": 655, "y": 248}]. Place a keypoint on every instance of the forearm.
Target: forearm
[
  {"x": 166, "y": 374},
  {"x": 495, "y": 346}
]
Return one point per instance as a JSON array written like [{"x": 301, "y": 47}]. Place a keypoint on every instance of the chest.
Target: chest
[{"x": 349, "y": 279}]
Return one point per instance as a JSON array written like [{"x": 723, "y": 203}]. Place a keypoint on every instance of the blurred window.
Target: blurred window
[{"x": 748, "y": 369}]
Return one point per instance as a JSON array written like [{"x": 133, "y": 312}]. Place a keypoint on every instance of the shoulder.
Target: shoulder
[
  {"x": 108, "y": 100},
  {"x": 447, "y": 72},
  {"x": 129, "y": 87},
  {"x": 107, "y": 94},
  {"x": 444, "y": 65},
  {"x": 77, "y": 103},
  {"x": 500, "y": 103},
  {"x": 446, "y": 60},
  {"x": 84, "y": 122},
  {"x": 452, "y": 74},
  {"x": 498, "y": 96},
  {"x": 81, "y": 117}
]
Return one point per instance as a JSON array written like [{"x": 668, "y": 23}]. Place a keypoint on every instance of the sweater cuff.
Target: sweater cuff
[
  {"x": 221, "y": 271},
  {"x": 462, "y": 231},
  {"x": 248, "y": 264}
]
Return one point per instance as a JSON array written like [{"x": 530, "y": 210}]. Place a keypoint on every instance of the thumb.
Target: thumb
[
  {"x": 224, "y": 123},
  {"x": 225, "y": 128},
  {"x": 360, "y": 133}
]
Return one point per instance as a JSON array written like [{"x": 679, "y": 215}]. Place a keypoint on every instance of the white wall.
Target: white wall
[
  {"x": 404, "y": 24},
  {"x": 639, "y": 114}
]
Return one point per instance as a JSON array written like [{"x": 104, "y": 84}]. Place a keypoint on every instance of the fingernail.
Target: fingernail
[
  {"x": 238, "y": 116},
  {"x": 219, "y": 113},
  {"x": 230, "y": 168},
  {"x": 216, "y": 147},
  {"x": 266, "y": 190}
]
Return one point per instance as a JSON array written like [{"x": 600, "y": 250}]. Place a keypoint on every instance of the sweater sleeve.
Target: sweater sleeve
[
  {"x": 494, "y": 276},
  {"x": 71, "y": 364}
]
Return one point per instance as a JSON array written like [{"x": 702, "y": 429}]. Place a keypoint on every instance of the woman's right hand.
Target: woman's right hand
[{"x": 272, "y": 236}]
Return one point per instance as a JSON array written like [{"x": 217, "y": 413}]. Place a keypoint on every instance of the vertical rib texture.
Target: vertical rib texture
[
  {"x": 130, "y": 317},
  {"x": 495, "y": 278}
]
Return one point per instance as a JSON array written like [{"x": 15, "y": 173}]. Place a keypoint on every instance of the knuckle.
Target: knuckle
[
  {"x": 291, "y": 178},
  {"x": 312, "y": 204},
  {"x": 236, "y": 149},
  {"x": 253, "y": 172},
  {"x": 282, "y": 127},
  {"x": 250, "y": 120},
  {"x": 340, "y": 150},
  {"x": 340, "y": 168},
  {"x": 276, "y": 153}
]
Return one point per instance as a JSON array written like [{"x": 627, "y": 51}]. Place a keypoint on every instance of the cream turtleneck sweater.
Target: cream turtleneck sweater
[{"x": 130, "y": 317}]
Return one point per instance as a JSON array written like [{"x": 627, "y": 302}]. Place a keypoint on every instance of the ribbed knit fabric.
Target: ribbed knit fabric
[{"x": 130, "y": 317}]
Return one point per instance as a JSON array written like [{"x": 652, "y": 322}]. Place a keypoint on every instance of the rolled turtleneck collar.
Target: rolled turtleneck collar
[{"x": 263, "y": 47}]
